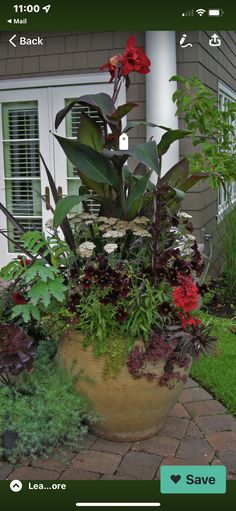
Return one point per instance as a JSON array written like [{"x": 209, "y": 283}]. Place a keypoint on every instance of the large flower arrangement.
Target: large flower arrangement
[{"x": 129, "y": 279}]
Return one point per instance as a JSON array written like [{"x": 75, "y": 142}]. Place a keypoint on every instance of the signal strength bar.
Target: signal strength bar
[{"x": 188, "y": 13}]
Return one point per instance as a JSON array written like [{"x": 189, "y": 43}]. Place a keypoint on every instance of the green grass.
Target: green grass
[{"x": 217, "y": 373}]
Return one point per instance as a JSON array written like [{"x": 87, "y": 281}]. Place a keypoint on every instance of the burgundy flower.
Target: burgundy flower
[
  {"x": 18, "y": 298},
  {"x": 86, "y": 283},
  {"x": 202, "y": 289},
  {"x": 164, "y": 309},
  {"x": 189, "y": 226},
  {"x": 121, "y": 315},
  {"x": 24, "y": 261}
]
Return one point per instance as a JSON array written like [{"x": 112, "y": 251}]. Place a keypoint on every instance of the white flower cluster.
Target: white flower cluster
[
  {"x": 183, "y": 214},
  {"x": 114, "y": 234},
  {"x": 86, "y": 249},
  {"x": 110, "y": 247}
]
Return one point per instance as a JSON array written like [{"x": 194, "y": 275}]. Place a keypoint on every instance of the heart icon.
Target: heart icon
[{"x": 175, "y": 479}]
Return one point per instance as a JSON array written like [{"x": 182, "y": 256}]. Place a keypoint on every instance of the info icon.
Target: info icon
[{"x": 16, "y": 485}]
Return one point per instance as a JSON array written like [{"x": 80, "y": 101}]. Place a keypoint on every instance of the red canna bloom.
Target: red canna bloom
[
  {"x": 134, "y": 58},
  {"x": 18, "y": 298},
  {"x": 112, "y": 64}
]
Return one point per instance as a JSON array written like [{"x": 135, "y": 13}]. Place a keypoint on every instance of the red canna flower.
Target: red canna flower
[
  {"x": 18, "y": 298},
  {"x": 112, "y": 64},
  {"x": 134, "y": 58}
]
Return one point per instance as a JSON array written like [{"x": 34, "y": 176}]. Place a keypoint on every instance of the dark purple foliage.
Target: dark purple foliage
[{"x": 17, "y": 349}]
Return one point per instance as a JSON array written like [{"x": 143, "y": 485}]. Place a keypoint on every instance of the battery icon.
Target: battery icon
[{"x": 215, "y": 12}]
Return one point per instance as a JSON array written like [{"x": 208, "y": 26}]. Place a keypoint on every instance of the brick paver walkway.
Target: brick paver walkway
[{"x": 198, "y": 431}]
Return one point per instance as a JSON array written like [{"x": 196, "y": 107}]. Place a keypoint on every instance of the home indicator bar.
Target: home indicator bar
[{"x": 118, "y": 504}]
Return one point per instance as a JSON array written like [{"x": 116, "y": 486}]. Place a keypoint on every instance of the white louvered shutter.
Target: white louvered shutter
[{"x": 21, "y": 166}]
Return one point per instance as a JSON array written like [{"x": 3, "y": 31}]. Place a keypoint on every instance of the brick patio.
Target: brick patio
[{"x": 198, "y": 431}]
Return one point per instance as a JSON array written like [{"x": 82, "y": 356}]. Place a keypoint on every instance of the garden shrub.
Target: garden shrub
[{"x": 41, "y": 411}]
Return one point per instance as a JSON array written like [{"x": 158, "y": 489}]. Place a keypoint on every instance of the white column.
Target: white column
[{"x": 161, "y": 50}]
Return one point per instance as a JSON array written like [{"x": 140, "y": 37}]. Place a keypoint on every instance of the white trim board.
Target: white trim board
[
  {"x": 222, "y": 87},
  {"x": 54, "y": 81}
]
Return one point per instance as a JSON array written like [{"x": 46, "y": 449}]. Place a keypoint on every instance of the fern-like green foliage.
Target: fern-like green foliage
[
  {"x": 45, "y": 412},
  {"x": 40, "y": 283}
]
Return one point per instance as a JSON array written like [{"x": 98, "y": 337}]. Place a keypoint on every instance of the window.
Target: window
[
  {"x": 226, "y": 95},
  {"x": 21, "y": 166},
  {"x": 27, "y": 113}
]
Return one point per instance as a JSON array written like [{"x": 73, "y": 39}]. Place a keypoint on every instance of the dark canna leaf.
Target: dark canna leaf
[
  {"x": 168, "y": 138},
  {"x": 92, "y": 164},
  {"x": 89, "y": 133},
  {"x": 65, "y": 226},
  {"x": 101, "y": 102}
]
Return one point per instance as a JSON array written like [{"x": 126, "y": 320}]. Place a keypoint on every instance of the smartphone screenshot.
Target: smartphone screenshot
[{"x": 117, "y": 255}]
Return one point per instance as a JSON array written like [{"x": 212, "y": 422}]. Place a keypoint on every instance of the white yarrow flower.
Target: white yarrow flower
[
  {"x": 183, "y": 214},
  {"x": 86, "y": 249},
  {"x": 110, "y": 247},
  {"x": 114, "y": 234},
  {"x": 142, "y": 233}
]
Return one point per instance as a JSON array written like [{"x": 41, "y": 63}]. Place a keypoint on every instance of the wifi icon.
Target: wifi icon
[{"x": 200, "y": 12}]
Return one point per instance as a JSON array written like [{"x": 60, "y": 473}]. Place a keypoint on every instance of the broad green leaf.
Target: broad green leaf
[
  {"x": 135, "y": 198},
  {"x": 39, "y": 292},
  {"x": 145, "y": 153},
  {"x": 101, "y": 102},
  {"x": 42, "y": 292},
  {"x": 25, "y": 312},
  {"x": 38, "y": 269},
  {"x": 134, "y": 124},
  {"x": 127, "y": 175},
  {"x": 92, "y": 164},
  {"x": 179, "y": 194},
  {"x": 168, "y": 138},
  {"x": 177, "y": 174},
  {"x": 90, "y": 184},
  {"x": 57, "y": 289},
  {"x": 65, "y": 205},
  {"x": 89, "y": 133}
]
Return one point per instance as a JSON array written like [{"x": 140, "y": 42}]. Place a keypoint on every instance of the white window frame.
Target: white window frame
[
  {"x": 223, "y": 205},
  {"x": 48, "y": 92}
]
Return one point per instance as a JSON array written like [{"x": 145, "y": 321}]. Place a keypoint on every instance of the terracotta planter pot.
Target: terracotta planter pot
[{"x": 129, "y": 409}]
